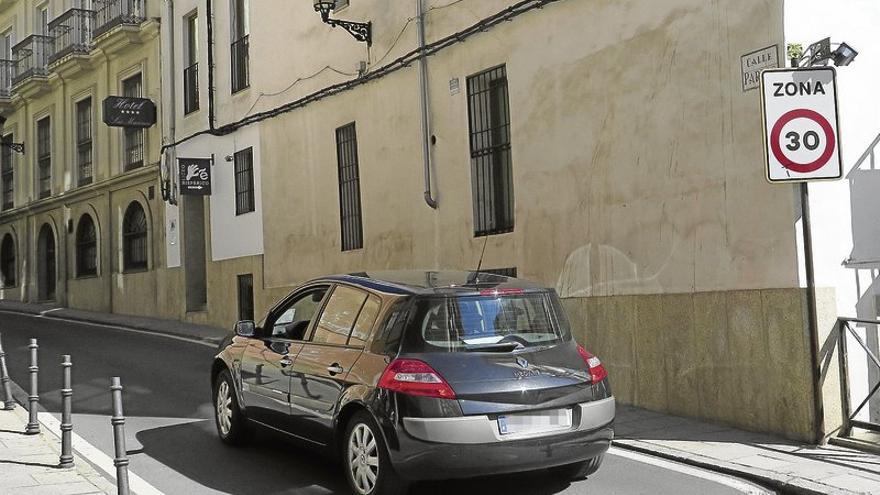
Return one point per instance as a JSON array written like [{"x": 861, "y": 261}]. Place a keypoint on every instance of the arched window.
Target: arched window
[
  {"x": 86, "y": 247},
  {"x": 7, "y": 261},
  {"x": 134, "y": 238}
]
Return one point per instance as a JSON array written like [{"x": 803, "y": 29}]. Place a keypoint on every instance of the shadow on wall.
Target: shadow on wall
[
  {"x": 602, "y": 270},
  {"x": 864, "y": 261}
]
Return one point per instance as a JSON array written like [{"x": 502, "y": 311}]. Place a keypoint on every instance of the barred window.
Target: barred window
[
  {"x": 44, "y": 157},
  {"x": 134, "y": 238},
  {"x": 191, "y": 72},
  {"x": 240, "y": 47},
  {"x": 244, "y": 181},
  {"x": 349, "y": 188},
  {"x": 491, "y": 180},
  {"x": 7, "y": 261},
  {"x": 86, "y": 247},
  {"x": 133, "y": 137},
  {"x": 84, "y": 141},
  {"x": 246, "y": 297},
  {"x": 7, "y": 174},
  {"x": 507, "y": 272}
]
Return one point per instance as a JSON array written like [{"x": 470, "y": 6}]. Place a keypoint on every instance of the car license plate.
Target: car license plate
[{"x": 532, "y": 423}]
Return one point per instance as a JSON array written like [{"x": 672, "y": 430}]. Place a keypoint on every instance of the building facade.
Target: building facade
[
  {"x": 607, "y": 149},
  {"x": 80, "y": 202}
]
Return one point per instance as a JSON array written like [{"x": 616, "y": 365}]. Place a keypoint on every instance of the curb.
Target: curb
[{"x": 791, "y": 485}]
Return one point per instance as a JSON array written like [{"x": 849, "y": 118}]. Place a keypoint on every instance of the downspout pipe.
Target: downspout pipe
[
  {"x": 423, "y": 96},
  {"x": 209, "y": 11},
  {"x": 169, "y": 109}
]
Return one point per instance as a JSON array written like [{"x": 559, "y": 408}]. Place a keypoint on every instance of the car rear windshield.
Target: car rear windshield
[{"x": 483, "y": 323}]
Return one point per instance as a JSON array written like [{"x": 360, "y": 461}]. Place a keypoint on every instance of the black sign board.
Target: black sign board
[
  {"x": 195, "y": 176},
  {"x": 126, "y": 111}
]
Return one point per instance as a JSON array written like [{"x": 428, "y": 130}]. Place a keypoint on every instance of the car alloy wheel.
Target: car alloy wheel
[
  {"x": 224, "y": 408},
  {"x": 363, "y": 459}
]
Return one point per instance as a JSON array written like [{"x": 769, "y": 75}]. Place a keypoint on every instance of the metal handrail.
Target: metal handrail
[
  {"x": 32, "y": 57},
  {"x": 7, "y": 74},
  {"x": 849, "y": 421},
  {"x": 72, "y": 31},
  {"x": 112, "y": 13}
]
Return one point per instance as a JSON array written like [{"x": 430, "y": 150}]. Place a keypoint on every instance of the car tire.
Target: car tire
[
  {"x": 579, "y": 470},
  {"x": 366, "y": 461},
  {"x": 227, "y": 413}
]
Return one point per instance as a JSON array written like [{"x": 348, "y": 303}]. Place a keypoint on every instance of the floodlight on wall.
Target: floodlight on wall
[
  {"x": 820, "y": 53},
  {"x": 843, "y": 55},
  {"x": 362, "y": 31},
  {"x": 16, "y": 147}
]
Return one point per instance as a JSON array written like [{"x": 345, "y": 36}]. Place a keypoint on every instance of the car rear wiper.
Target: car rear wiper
[{"x": 494, "y": 347}]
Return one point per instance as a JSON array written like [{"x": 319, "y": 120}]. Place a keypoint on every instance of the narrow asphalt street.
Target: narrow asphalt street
[{"x": 173, "y": 446}]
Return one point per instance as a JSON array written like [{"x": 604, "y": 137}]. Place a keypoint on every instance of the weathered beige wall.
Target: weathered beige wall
[{"x": 737, "y": 357}]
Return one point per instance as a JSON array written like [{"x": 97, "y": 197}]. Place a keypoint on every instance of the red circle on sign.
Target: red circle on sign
[{"x": 788, "y": 162}]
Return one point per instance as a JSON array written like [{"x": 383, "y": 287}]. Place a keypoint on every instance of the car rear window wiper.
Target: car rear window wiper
[{"x": 493, "y": 347}]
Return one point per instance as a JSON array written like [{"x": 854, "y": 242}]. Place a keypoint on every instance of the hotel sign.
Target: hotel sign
[{"x": 127, "y": 111}]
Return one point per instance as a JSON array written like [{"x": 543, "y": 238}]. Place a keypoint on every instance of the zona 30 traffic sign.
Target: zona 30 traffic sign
[{"x": 801, "y": 129}]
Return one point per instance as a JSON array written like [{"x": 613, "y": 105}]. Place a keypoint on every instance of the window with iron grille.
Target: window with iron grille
[
  {"x": 133, "y": 137},
  {"x": 84, "y": 141},
  {"x": 349, "y": 188},
  {"x": 240, "y": 46},
  {"x": 244, "y": 181},
  {"x": 491, "y": 176},
  {"x": 191, "y": 72},
  {"x": 7, "y": 174},
  {"x": 7, "y": 261},
  {"x": 246, "y": 297},
  {"x": 44, "y": 157},
  {"x": 86, "y": 247},
  {"x": 507, "y": 272},
  {"x": 134, "y": 238}
]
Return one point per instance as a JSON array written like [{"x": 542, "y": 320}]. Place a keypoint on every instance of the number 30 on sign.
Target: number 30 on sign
[{"x": 801, "y": 136}]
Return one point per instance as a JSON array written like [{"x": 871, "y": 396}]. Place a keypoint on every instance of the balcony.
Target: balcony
[
  {"x": 7, "y": 72},
  {"x": 72, "y": 33},
  {"x": 112, "y": 13},
  {"x": 32, "y": 60}
]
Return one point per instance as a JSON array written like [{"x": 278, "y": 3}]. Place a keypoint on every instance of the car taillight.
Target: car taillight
[
  {"x": 597, "y": 371},
  {"x": 414, "y": 377}
]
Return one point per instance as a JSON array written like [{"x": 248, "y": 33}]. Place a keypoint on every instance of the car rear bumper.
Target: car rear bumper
[{"x": 441, "y": 448}]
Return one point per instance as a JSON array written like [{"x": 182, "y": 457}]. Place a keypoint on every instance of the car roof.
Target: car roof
[{"x": 434, "y": 282}]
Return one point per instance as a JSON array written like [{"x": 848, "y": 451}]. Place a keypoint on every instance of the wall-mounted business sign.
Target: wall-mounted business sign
[
  {"x": 195, "y": 176},
  {"x": 753, "y": 63},
  {"x": 127, "y": 111}
]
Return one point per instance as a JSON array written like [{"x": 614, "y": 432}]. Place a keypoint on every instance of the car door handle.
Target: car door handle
[
  {"x": 335, "y": 369},
  {"x": 285, "y": 362}
]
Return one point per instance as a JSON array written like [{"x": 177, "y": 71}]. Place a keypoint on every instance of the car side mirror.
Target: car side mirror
[{"x": 245, "y": 328}]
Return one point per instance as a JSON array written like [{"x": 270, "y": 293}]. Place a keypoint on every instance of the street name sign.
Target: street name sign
[
  {"x": 801, "y": 129},
  {"x": 755, "y": 62}
]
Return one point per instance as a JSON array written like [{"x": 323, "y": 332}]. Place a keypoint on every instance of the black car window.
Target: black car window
[
  {"x": 339, "y": 315},
  {"x": 365, "y": 320},
  {"x": 292, "y": 319},
  {"x": 474, "y": 322}
]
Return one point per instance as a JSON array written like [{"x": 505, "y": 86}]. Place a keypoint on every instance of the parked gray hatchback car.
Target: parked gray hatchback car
[{"x": 419, "y": 375}]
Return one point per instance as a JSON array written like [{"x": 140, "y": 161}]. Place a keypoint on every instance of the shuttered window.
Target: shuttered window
[{"x": 349, "y": 188}]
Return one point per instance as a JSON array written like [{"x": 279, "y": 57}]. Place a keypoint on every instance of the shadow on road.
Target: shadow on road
[{"x": 272, "y": 464}]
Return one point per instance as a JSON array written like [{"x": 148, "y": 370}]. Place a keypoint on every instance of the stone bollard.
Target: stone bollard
[
  {"x": 118, "y": 422},
  {"x": 8, "y": 401},
  {"x": 66, "y": 459},
  {"x": 33, "y": 426}
]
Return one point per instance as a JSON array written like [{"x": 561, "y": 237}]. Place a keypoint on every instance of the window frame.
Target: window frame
[
  {"x": 128, "y": 237},
  {"x": 351, "y": 222},
  {"x": 191, "y": 97},
  {"x": 239, "y": 46},
  {"x": 134, "y": 135},
  {"x": 84, "y": 142},
  {"x": 7, "y": 174},
  {"x": 489, "y": 129},
  {"x": 81, "y": 245},
  {"x": 4, "y": 259},
  {"x": 244, "y": 176},
  {"x": 44, "y": 157},
  {"x": 265, "y": 327}
]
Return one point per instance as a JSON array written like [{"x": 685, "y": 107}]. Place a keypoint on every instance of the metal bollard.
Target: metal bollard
[
  {"x": 8, "y": 401},
  {"x": 66, "y": 459},
  {"x": 33, "y": 426},
  {"x": 118, "y": 422}
]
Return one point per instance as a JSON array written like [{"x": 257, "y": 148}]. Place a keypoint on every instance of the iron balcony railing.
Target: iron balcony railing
[
  {"x": 858, "y": 416},
  {"x": 241, "y": 78},
  {"x": 7, "y": 73},
  {"x": 191, "y": 88},
  {"x": 112, "y": 13},
  {"x": 32, "y": 57},
  {"x": 72, "y": 31}
]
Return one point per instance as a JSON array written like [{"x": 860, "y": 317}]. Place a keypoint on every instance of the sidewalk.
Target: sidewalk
[
  {"x": 773, "y": 462},
  {"x": 29, "y": 463},
  {"x": 208, "y": 334},
  {"x": 770, "y": 461}
]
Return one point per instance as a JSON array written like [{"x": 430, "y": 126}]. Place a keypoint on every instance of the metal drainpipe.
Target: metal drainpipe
[
  {"x": 210, "y": 32},
  {"x": 423, "y": 94},
  {"x": 170, "y": 110}
]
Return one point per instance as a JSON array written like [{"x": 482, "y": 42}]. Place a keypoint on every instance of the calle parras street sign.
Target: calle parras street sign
[
  {"x": 801, "y": 130},
  {"x": 127, "y": 111}
]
